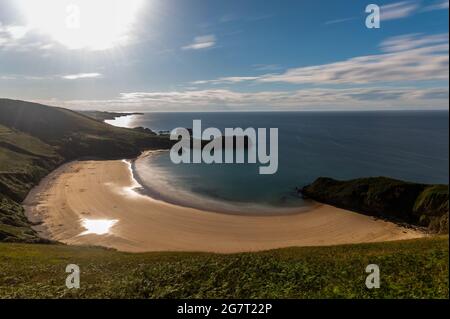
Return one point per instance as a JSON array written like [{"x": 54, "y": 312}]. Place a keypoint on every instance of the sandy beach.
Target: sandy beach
[{"x": 94, "y": 203}]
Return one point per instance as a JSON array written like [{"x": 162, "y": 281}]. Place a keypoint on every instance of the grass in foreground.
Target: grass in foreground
[{"x": 409, "y": 269}]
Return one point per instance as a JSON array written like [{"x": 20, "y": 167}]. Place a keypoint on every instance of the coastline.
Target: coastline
[
  {"x": 106, "y": 190},
  {"x": 189, "y": 200}
]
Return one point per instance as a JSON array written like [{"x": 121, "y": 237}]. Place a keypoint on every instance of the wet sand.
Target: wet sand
[{"x": 102, "y": 195}]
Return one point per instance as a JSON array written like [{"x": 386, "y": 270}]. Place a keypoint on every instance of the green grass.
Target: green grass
[
  {"x": 19, "y": 151},
  {"x": 74, "y": 135},
  {"x": 14, "y": 226},
  {"x": 409, "y": 269},
  {"x": 24, "y": 160},
  {"x": 26, "y": 142}
]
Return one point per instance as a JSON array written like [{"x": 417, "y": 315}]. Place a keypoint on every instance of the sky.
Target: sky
[{"x": 217, "y": 55}]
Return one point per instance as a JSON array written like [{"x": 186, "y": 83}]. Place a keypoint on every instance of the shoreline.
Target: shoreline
[
  {"x": 210, "y": 204},
  {"x": 105, "y": 190}
]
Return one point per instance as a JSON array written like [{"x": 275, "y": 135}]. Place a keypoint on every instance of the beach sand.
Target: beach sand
[{"x": 104, "y": 190}]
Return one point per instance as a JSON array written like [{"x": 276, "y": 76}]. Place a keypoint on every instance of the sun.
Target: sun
[{"x": 83, "y": 24}]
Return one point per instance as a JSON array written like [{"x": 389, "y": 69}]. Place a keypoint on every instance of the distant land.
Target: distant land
[{"x": 103, "y": 116}]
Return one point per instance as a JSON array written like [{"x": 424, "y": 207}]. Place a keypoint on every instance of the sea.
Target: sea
[{"x": 407, "y": 145}]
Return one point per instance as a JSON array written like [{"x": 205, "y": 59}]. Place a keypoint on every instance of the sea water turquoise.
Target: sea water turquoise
[{"x": 407, "y": 145}]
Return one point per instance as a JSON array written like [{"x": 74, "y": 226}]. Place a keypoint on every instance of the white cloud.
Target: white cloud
[
  {"x": 408, "y": 58},
  {"x": 398, "y": 10},
  {"x": 412, "y": 41},
  {"x": 298, "y": 98},
  {"x": 19, "y": 38},
  {"x": 50, "y": 77},
  {"x": 428, "y": 63},
  {"x": 306, "y": 99},
  {"x": 440, "y": 5},
  {"x": 336, "y": 21},
  {"x": 202, "y": 42},
  {"x": 10, "y": 35},
  {"x": 81, "y": 76},
  {"x": 227, "y": 80},
  {"x": 72, "y": 25}
]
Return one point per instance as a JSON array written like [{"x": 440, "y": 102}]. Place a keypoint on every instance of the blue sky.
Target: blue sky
[{"x": 209, "y": 55}]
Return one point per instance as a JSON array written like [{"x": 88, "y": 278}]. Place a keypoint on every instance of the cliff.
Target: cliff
[{"x": 412, "y": 203}]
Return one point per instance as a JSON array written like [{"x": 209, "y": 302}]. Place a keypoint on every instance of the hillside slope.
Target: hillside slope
[
  {"x": 409, "y": 269},
  {"x": 35, "y": 139},
  {"x": 75, "y": 135}
]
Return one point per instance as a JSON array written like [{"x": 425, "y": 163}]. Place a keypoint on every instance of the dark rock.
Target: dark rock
[{"x": 415, "y": 204}]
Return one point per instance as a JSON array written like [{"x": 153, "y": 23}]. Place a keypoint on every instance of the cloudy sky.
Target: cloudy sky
[{"x": 212, "y": 55}]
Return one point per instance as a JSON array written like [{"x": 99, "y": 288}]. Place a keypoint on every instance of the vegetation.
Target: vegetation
[
  {"x": 14, "y": 226},
  {"x": 74, "y": 135},
  {"x": 417, "y": 204},
  {"x": 35, "y": 139},
  {"x": 24, "y": 160},
  {"x": 408, "y": 269},
  {"x": 431, "y": 208}
]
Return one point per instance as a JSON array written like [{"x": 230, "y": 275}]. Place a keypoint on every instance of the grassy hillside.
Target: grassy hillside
[
  {"x": 418, "y": 204},
  {"x": 409, "y": 269},
  {"x": 24, "y": 160},
  {"x": 73, "y": 134},
  {"x": 35, "y": 139}
]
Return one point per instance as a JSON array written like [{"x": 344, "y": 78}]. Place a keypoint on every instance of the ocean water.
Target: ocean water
[{"x": 408, "y": 145}]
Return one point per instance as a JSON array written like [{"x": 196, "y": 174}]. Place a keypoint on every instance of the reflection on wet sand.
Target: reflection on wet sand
[{"x": 97, "y": 226}]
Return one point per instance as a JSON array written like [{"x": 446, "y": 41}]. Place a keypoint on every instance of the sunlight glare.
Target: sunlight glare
[
  {"x": 97, "y": 226},
  {"x": 83, "y": 24}
]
